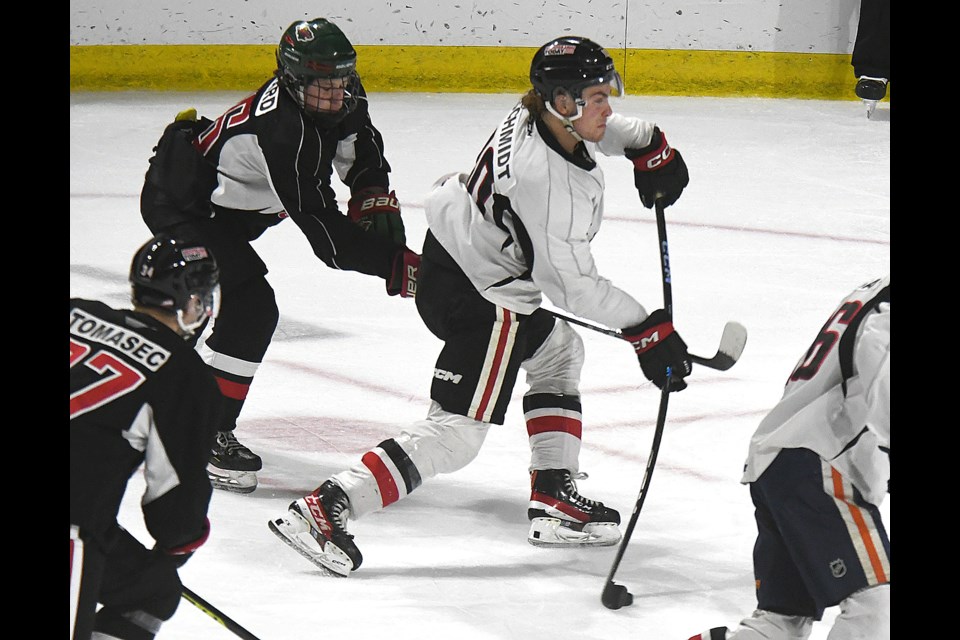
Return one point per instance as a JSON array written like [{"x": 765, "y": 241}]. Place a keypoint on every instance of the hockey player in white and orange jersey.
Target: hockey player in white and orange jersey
[
  {"x": 514, "y": 229},
  {"x": 819, "y": 468}
]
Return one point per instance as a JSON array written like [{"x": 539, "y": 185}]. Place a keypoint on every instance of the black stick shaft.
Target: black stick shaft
[
  {"x": 664, "y": 397},
  {"x": 216, "y": 614}
]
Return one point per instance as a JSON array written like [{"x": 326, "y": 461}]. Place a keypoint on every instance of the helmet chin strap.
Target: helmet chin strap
[{"x": 567, "y": 121}]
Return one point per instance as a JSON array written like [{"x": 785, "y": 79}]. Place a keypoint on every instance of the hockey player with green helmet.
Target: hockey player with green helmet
[{"x": 270, "y": 157}]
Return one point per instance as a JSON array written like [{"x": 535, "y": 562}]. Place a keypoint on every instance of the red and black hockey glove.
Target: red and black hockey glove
[
  {"x": 181, "y": 553},
  {"x": 658, "y": 348},
  {"x": 403, "y": 278},
  {"x": 375, "y": 210},
  {"x": 658, "y": 171}
]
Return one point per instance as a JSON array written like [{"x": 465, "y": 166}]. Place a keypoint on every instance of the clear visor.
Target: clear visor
[
  {"x": 611, "y": 78},
  {"x": 616, "y": 84}
]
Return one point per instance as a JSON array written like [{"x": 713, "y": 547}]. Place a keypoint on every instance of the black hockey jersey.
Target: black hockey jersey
[
  {"x": 262, "y": 161},
  {"x": 139, "y": 394}
]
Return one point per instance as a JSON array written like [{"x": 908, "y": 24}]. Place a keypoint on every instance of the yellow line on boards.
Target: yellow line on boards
[{"x": 446, "y": 69}]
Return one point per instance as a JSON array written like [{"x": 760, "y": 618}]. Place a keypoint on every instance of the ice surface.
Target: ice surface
[{"x": 787, "y": 210}]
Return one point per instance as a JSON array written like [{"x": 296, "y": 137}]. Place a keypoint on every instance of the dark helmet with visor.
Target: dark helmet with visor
[
  {"x": 568, "y": 65},
  {"x": 176, "y": 275},
  {"x": 316, "y": 51}
]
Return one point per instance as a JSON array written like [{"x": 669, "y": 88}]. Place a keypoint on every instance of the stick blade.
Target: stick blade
[{"x": 732, "y": 342}]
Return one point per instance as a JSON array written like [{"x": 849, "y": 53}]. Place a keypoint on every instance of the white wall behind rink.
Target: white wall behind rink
[{"x": 795, "y": 26}]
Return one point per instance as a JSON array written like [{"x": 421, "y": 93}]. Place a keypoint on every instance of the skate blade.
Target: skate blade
[
  {"x": 234, "y": 481},
  {"x": 326, "y": 560},
  {"x": 871, "y": 106},
  {"x": 556, "y": 533}
]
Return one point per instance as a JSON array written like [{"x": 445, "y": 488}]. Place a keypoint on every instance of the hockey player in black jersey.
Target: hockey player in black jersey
[
  {"x": 270, "y": 157},
  {"x": 140, "y": 395},
  {"x": 517, "y": 227}
]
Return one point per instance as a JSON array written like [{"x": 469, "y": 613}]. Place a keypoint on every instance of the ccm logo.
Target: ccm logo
[
  {"x": 661, "y": 158},
  {"x": 319, "y": 516},
  {"x": 447, "y": 376},
  {"x": 380, "y": 201}
]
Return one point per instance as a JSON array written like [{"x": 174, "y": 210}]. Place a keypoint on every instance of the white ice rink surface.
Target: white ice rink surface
[{"x": 787, "y": 210}]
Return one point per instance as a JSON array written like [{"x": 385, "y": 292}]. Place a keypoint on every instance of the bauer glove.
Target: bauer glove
[
  {"x": 403, "y": 278},
  {"x": 658, "y": 171},
  {"x": 658, "y": 348},
  {"x": 375, "y": 210}
]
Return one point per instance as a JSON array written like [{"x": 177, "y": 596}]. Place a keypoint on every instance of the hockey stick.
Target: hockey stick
[
  {"x": 616, "y": 595},
  {"x": 216, "y": 614},
  {"x": 732, "y": 341}
]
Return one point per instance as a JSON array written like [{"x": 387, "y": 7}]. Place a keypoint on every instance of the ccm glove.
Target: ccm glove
[
  {"x": 658, "y": 171},
  {"x": 403, "y": 279},
  {"x": 375, "y": 210},
  {"x": 180, "y": 554},
  {"x": 658, "y": 347}
]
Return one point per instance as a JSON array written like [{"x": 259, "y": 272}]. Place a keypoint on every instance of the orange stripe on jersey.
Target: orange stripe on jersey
[
  {"x": 389, "y": 493},
  {"x": 543, "y": 424},
  {"x": 233, "y": 390},
  {"x": 862, "y": 528}
]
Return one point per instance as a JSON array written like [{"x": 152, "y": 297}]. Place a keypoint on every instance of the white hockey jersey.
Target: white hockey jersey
[
  {"x": 837, "y": 400},
  {"x": 520, "y": 224}
]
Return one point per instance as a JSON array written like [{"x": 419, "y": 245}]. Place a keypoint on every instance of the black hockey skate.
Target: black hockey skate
[
  {"x": 871, "y": 91},
  {"x": 233, "y": 466},
  {"x": 315, "y": 526},
  {"x": 561, "y": 517}
]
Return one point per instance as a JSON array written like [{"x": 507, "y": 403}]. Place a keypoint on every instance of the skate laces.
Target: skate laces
[
  {"x": 337, "y": 507},
  {"x": 571, "y": 487},
  {"x": 231, "y": 446}
]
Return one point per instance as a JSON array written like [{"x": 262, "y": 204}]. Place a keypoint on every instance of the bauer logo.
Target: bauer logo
[{"x": 446, "y": 376}]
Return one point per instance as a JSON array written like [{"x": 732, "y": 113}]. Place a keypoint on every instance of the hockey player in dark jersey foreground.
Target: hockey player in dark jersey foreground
[
  {"x": 270, "y": 157},
  {"x": 818, "y": 468},
  {"x": 518, "y": 226},
  {"x": 140, "y": 395}
]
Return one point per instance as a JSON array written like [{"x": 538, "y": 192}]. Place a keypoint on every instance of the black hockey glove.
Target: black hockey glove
[
  {"x": 659, "y": 347},
  {"x": 403, "y": 279},
  {"x": 658, "y": 171},
  {"x": 180, "y": 554},
  {"x": 375, "y": 210}
]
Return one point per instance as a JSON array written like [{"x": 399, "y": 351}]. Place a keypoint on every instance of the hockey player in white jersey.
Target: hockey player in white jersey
[
  {"x": 517, "y": 227},
  {"x": 818, "y": 468}
]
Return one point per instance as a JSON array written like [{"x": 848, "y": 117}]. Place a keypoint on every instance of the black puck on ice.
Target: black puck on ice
[{"x": 616, "y": 596}]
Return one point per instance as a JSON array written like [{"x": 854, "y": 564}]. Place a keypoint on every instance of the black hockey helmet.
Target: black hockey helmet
[
  {"x": 312, "y": 50},
  {"x": 172, "y": 273},
  {"x": 569, "y": 65}
]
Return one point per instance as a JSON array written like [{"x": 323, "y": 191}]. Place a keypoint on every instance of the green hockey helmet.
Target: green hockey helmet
[{"x": 317, "y": 51}]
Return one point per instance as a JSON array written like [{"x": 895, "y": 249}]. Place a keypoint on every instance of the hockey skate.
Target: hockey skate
[
  {"x": 315, "y": 527},
  {"x": 717, "y": 633},
  {"x": 871, "y": 91},
  {"x": 232, "y": 466},
  {"x": 561, "y": 517}
]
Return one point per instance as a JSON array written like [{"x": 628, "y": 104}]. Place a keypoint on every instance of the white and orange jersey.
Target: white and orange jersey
[{"x": 836, "y": 401}]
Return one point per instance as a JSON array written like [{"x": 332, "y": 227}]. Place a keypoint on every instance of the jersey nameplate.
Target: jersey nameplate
[
  {"x": 147, "y": 353},
  {"x": 268, "y": 99}
]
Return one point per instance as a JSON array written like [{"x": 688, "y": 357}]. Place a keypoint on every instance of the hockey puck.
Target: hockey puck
[{"x": 616, "y": 596}]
